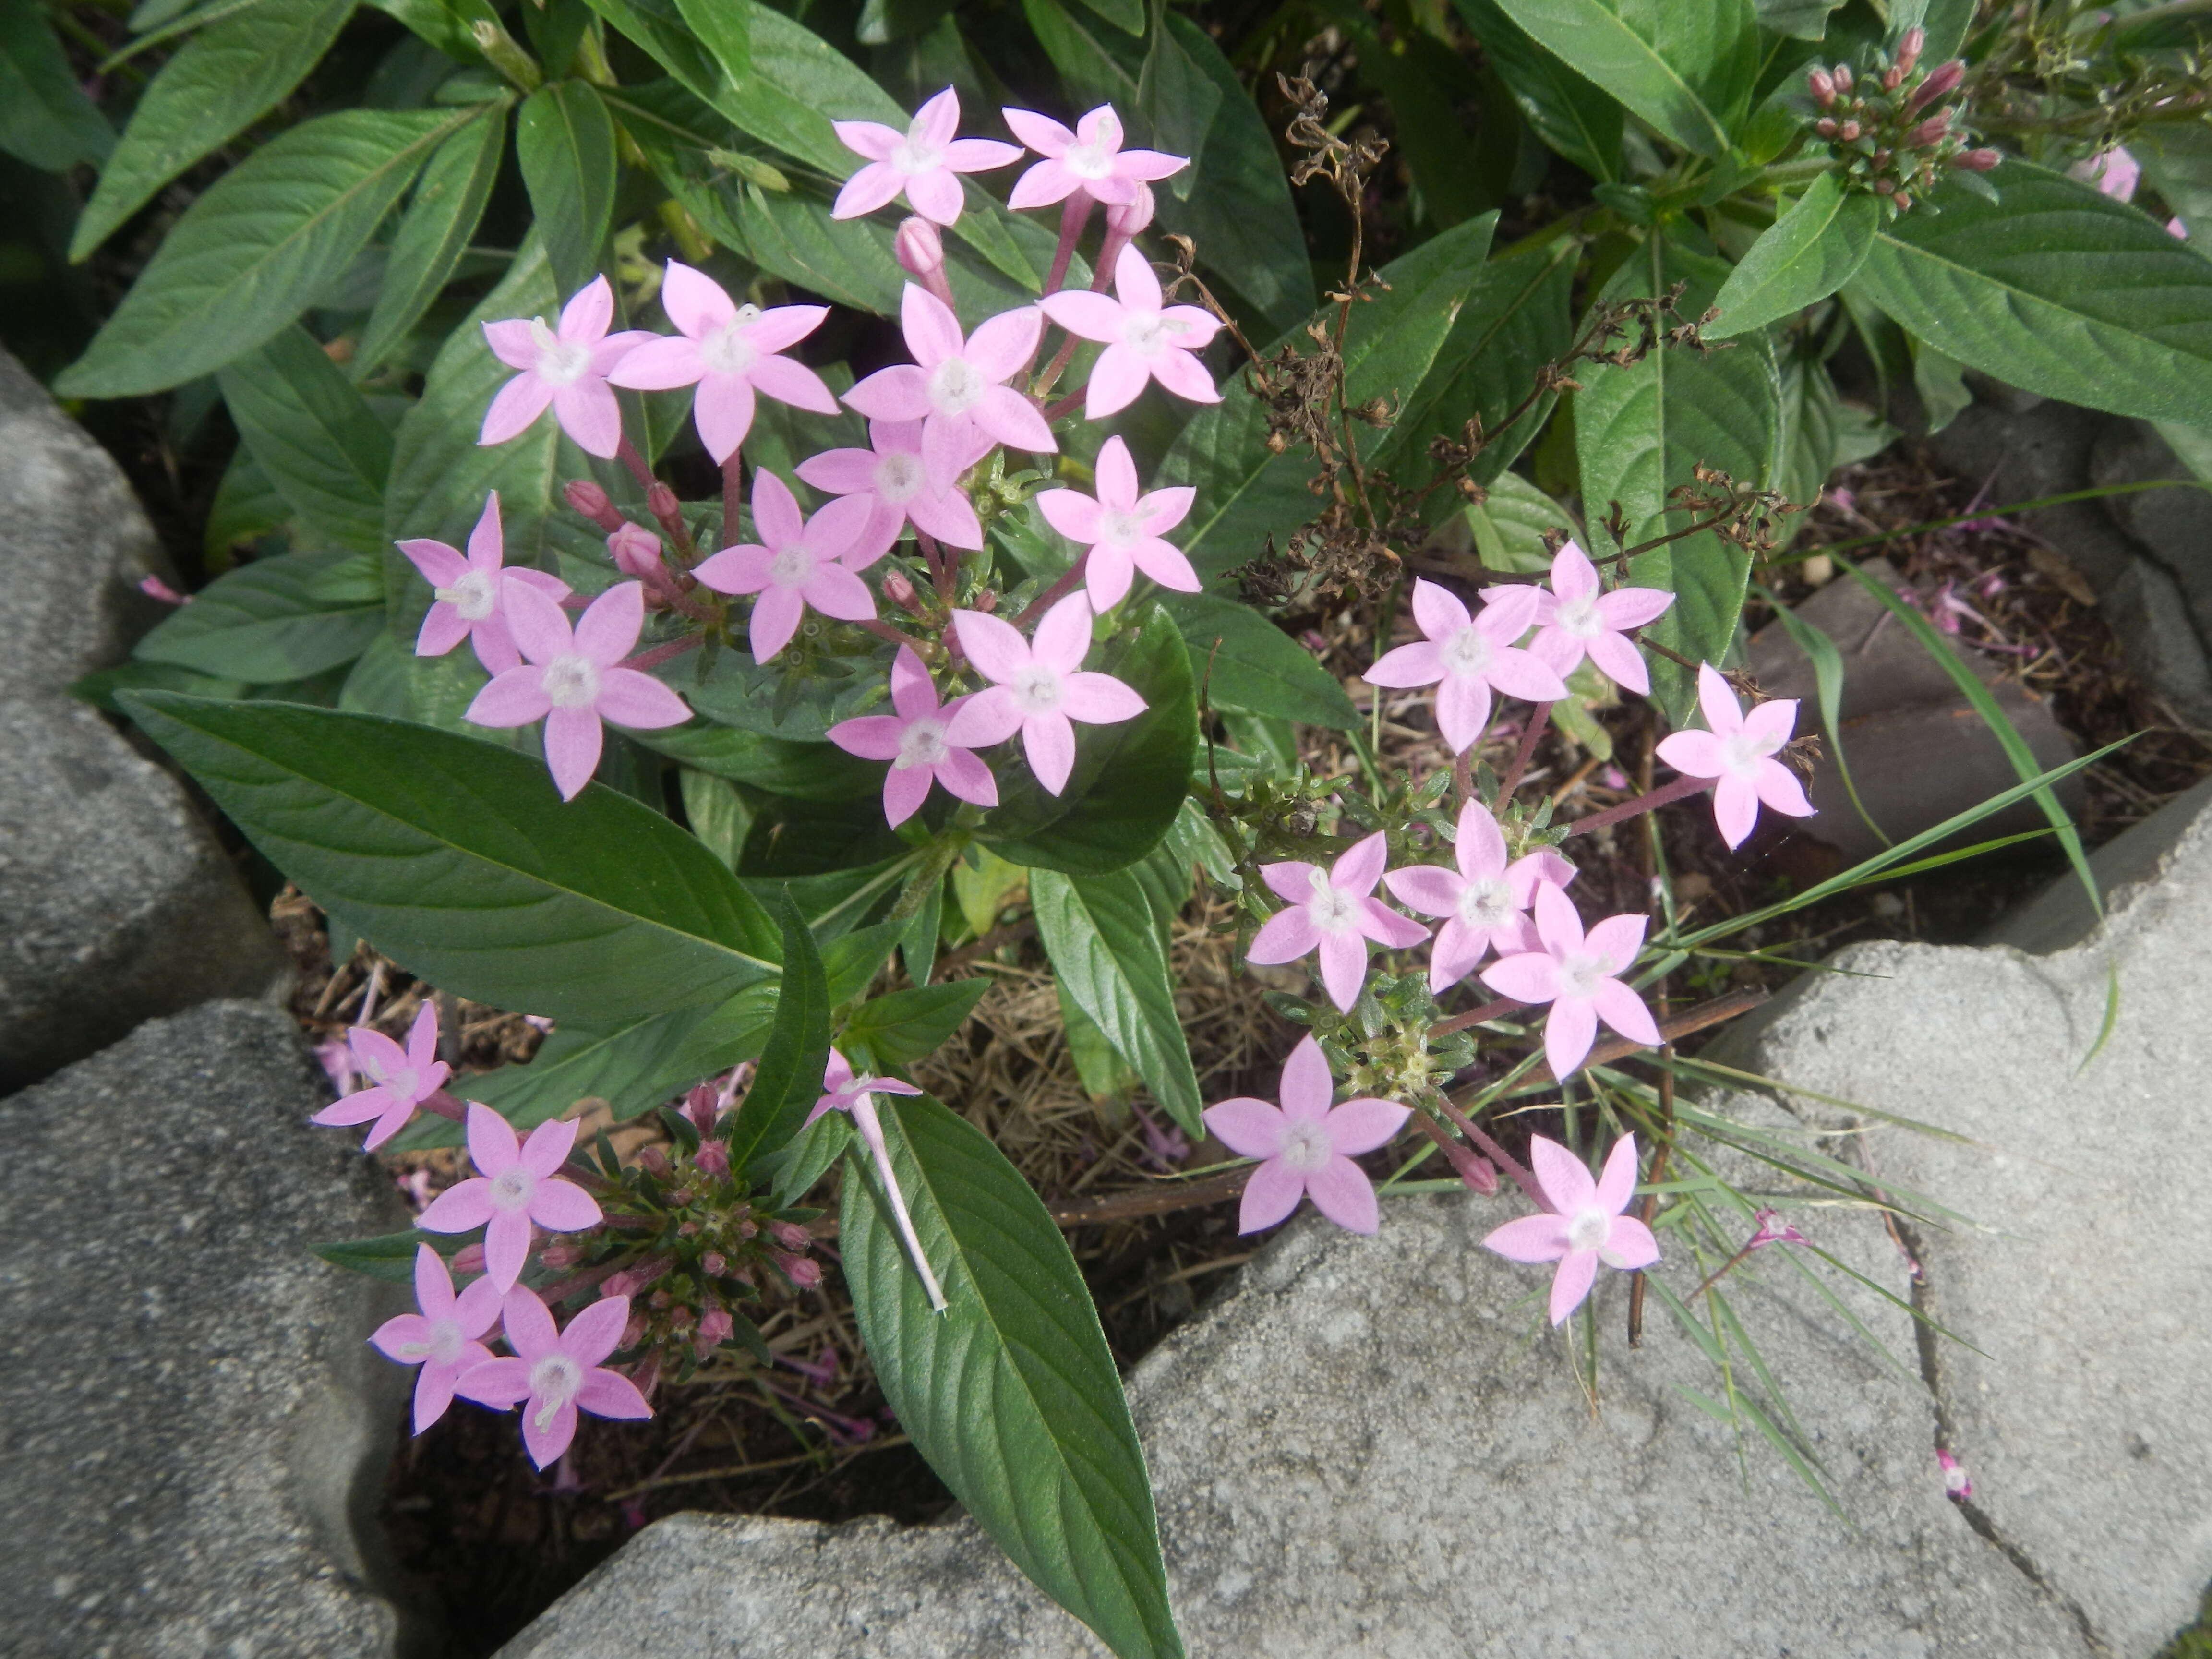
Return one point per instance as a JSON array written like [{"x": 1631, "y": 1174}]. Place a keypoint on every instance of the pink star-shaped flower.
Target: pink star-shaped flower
[
  {"x": 442, "y": 1338},
  {"x": 554, "y": 1373},
  {"x": 1331, "y": 913},
  {"x": 1584, "y": 1225},
  {"x": 1484, "y": 902},
  {"x": 796, "y": 564},
  {"x": 891, "y": 478},
  {"x": 1465, "y": 657},
  {"x": 1579, "y": 976},
  {"x": 924, "y": 161},
  {"x": 1037, "y": 688},
  {"x": 1739, "y": 754},
  {"x": 1090, "y": 158},
  {"x": 1121, "y": 530},
  {"x": 400, "y": 1079},
  {"x": 1145, "y": 338},
  {"x": 729, "y": 352},
  {"x": 1306, "y": 1147},
  {"x": 469, "y": 592},
  {"x": 856, "y": 1096},
  {"x": 564, "y": 368},
  {"x": 1579, "y": 619},
  {"x": 954, "y": 386},
  {"x": 914, "y": 741},
  {"x": 574, "y": 680},
  {"x": 517, "y": 1182}
]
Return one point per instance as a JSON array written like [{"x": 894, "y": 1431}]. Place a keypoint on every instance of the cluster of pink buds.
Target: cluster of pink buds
[{"x": 1892, "y": 124}]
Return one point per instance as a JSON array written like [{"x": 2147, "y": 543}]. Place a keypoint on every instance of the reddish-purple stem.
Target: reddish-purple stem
[
  {"x": 1072, "y": 218},
  {"x": 1059, "y": 590},
  {"x": 1666, "y": 795},
  {"x": 1539, "y": 718},
  {"x": 648, "y": 661},
  {"x": 1497, "y": 1155}
]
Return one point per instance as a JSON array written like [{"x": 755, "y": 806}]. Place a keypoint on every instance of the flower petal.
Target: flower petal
[
  {"x": 1049, "y": 741},
  {"x": 1341, "y": 1191},
  {"x": 694, "y": 302},
  {"x": 1532, "y": 977},
  {"x": 1284, "y": 937},
  {"x": 1117, "y": 380},
  {"x": 1529, "y": 1238},
  {"x": 1439, "y": 612},
  {"x": 1270, "y": 1196},
  {"x": 1577, "y": 1272},
  {"x": 1566, "y": 1182},
  {"x": 1062, "y": 639},
  {"x": 1569, "y": 1030},
  {"x": 1247, "y": 1127},
  {"x": 630, "y": 698},
  {"x": 1081, "y": 313},
  {"x": 1406, "y": 667},
  {"x": 462, "y": 1207},
  {"x": 1343, "y": 968},
  {"x": 610, "y": 1393},
  {"x": 722, "y": 410},
  {"x": 1428, "y": 888},
  {"x": 1617, "y": 1184},
  {"x": 1629, "y": 1245},
  {"x": 993, "y": 644},
  {"x": 1361, "y": 1126},
  {"x": 1306, "y": 1087},
  {"x": 574, "y": 740},
  {"x": 1619, "y": 1007},
  {"x": 1099, "y": 700}
]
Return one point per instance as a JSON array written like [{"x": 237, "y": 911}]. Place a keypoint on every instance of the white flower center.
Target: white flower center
[
  {"x": 1486, "y": 904},
  {"x": 555, "y": 1380},
  {"x": 1036, "y": 689},
  {"x": 1578, "y": 617},
  {"x": 1305, "y": 1148},
  {"x": 899, "y": 478},
  {"x": 1742, "y": 753},
  {"x": 1589, "y": 1230},
  {"x": 1088, "y": 160},
  {"x": 724, "y": 350},
  {"x": 791, "y": 565},
  {"x": 442, "y": 1346},
  {"x": 559, "y": 362},
  {"x": 572, "y": 681},
  {"x": 512, "y": 1187},
  {"x": 1579, "y": 976},
  {"x": 922, "y": 744},
  {"x": 913, "y": 155},
  {"x": 1148, "y": 333},
  {"x": 1333, "y": 911},
  {"x": 475, "y": 595},
  {"x": 1468, "y": 652},
  {"x": 957, "y": 386},
  {"x": 1119, "y": 529}
]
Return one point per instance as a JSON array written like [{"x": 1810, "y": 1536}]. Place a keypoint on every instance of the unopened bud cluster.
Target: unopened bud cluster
[{"x": 1891, "y": 126}]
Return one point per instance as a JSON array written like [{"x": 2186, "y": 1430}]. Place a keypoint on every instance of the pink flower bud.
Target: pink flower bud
[
  {"x": 557, "y": 1256},
  {"x": 1843, "y": 77},
  {"x": 715, "y": 1328},
  {"x": 699, "y": 1107},
  {"x": 588, "y": 499},
  {"x": 803, "y": 1271},
  {"x": 920, "y": 246},
  {"x": 469, "y": 1259},
  {"x": 1849, "y": 132},
  {"x": 791, "y": 1234},
  {"x": 646, "y": 1377},
  {"x": 1909, "y": 48},
  {"x": 636, "y": 549},
  {"x": 680, "y": 1321},
  {"x": 1929, "y": 131},
  {"x": 1976, "y": 160},
  {"x": 1892, "y": 78},
  {"x": 634, "y": 1332},
  {"x": 1126, "y": 219},
  {"x": 154, "y": 588},
  {"x": 661, "y": 502},
  {"x": 1905, "y": 205},
  {"x": 1825, "y": 126},
  {"x": 1478, "y": 1174},
  {"x": 1938, "y": 83},
  {"x": 1824, "y": 87},
  {"x": 715, "y": 1264},
  {"x": 987, "y": 601},
  {"x": 712, "y": 1158},
  {"x": 900, "y": 591},
  {"x": 654, "y": 1159}
]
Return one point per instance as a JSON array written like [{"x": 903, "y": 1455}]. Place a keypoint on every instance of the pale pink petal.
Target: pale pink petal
[
  {"x": 1564, "y": 1177},
  {"x": 1438, "y": 611},
  {"x": 1532, "y": 977},
  {"x": 395, "y": 1118},
  {"x": 1558, "y": 650},
  {"x": 1163, "y": 509},
  {"x": 1616, "y": 1184},
  {"x": 527, "y": 1324},
  {"x": 607, "y": 629},
  {"x": 996, "y": 646},
  {"x": 1772, "y": 722},
  {"x": 1530, "y": 1238},
  {"x": 837, "y": 591},
  {"x": 694, "y": 302},
  {"x": 434, "y": 1287},
  {"x": 1115, "y": 474},
  {"x": 1081, "y": 313},
  {"x": 989, "y": 716},
  {"x": 513, "y": 407},
  {"x": 1001, "y": 345},
  {"x": 507, "y": 1247},
  {"x": 722, "y": 410},
  {"x": 477, "y": 1307},
  {"x": 1343, "y": 968},
  {"x": 460, "y": 1208},
  {"x": 433, "y": 1388},
  {"x": 775, "y": 618},
  {"x": 789, "y": 381},
  {"x": 935, "y": 196},
  {"x": 1284, "y": 937},
  {"x": 1247, "y": 1127},
  {"x": 1617, "y": 939},
  {"x": 780, "y": 327},
  {"x": 1361, "y": 1126},
  {"x": 597, "y": 1331},
  {"x": 1573, "y": 576},
  {"x": 1306, "y": 1085},
  {"x": 869, "y": 139},
  {"x": 1508, "y": 612},
  {"x": 1387, "y": 927},
  {"x": 563, "y": 1206},
  {"x": 1050, "y": 742},
  {"x": 1341, "y": 1191},
  {"x": 1011, "y": 418},
  {"x": 1072, "y": 512},
  {"x": 905, "y": 788},
  {"x": 638, "y": 701},
  {"x": 511, "y": 343},
  {"x": 1777, "y": 786},
  {"x": 841, "y": 472},
  {"x": 1718, "y": 701},
  {"x": 1462, "y": 711},
  {"x": 933, "y": 332},
  {"x": 871, "y": 188},
  {"x": 1166, "y": 565},
  {"x": 1040, "y": 133},
  {"x": 616, "y": 347},
  {"x": 499, "y": 1383},
  {"x": 1291, "y": 879},
  {"x": 1107, "y": 574},
  {"x": 1360, "y": 866},
  {"x": 740, "y": 570},
  {"x": 573, "y": 742},
  {"x": 1148, "y": 165},
  {"x": 589, "y": 311},
  {"x": 1406, "y": 667},
  {"x": 1192, "y": 329},
  {"x": 1270, "y": 1196},
  {"x": 546, "y": 1435},
  {"x": 515, "y": 697},
  {"x": 1693, "y": 754},
  {"x": 536, "y": 622},
  {"x": 1576, "y": 1272},
  {"x": 443, "y": 628},
  {"x": 947, "y": 516},
  {"x": 1628, "y": 1245},
  {"x": 1622, "y": 1009},
  {"x": 1634, "y": 607},
  {"x": 442, "y": 566},
  {"x": 1735, "y": 810},
  {"x": 1432, "y": 891},
  {"x": 1101, "y": 127},
  {"x": 776, "y": 511},
  {"x": 1569, "y": 1030},
  {"x": 1518, "y": 674},
  {"x": 1117, "y": 380},
  {"x": 1099, "y": 700},
  {"x": 659, "y": 365},
  {"x": 913, "y": 693},
  {"x": 1181, "y": 373},
  {"x": 357, "y": 1107},
  {"x": 1558, "y": 921},
  {"x": 1620, "y": 662},
  {"x": 980, "y": 154},
  {"x": 968, "y": 777},
  {"x": 1042, "y": 185},
  {"x": 871, "y": 737},
  {"x": 1456, "y": 953},
  {"x": 609, "y": 1393},
  {"x": 1525, "y": 873},
  {"x": 1134, "y": 285}
]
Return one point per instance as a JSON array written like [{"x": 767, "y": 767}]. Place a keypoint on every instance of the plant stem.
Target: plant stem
[
  {"x": 647, "y": 661},
  {"x": 734, "y": 495},
  {"x": 626, "y": 452},
  {"x": 942, "y": 855},
  {"x": 884, "y": 630},
  {"x": 940, "y": 568},
  {"x": 1680, "y": 789},
  {"x": 1476, "y": 1016},
  {"x": 1497, "y": 1154},
  {"x": 1072, "y": 218},
  {"x": 1064, "y": 585},
  {"x": 1539, "y": 718}
]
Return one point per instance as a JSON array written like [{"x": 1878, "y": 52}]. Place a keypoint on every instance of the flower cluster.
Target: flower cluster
[{"x": 1893, "y": 130}]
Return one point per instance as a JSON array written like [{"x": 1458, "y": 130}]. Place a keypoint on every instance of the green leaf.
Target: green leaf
[
  {"x": 1106, "y": 951},
  {"x": 789, "y": 1080},
  {"x": 228, "y": 76},
  {"x": 1011, "y": 1392},
  {"x": 457, "y": 858},
  {"x": 1820, "y": 431},
  {"x": 659, "y": 29},
  {"x": 718, "y": 814},
  {"x": 2055, "y": 288},
  {"x": 1945, "y": 21},
  {"x": 433, "y": 233},
  {"x": 390, "y": 1256},
  {"x": 263, "y": 242},
  {"x": 315, "y": 439},
  {"x": 1129, "y": 778},
  {"x": 1805, "y": 256},
  {"x": 1454, "y": 175},
  {"x": 1127, "y": 16},
  {"x": 1686, "y": 66},
  {"x": 1806, "y": 19},
  {"x": 446, "y": 24},
  {"x": 1246, "y": 493},
  {"x": 1176, "y": 101},
  {"x": 1508, "y": 524},
  {"x": 1642, "y": 431},
  {"x": 804, "y": 771},
  {"x": 274, "y": 620},
  {"x": 1245, "y": 661},
  {"x": 726, "y": 31},
  {"x": 45, "y": 119},
  {"x": 1579, "y": 120},
  {"x": 908, "y": 1025},
  {"x": 565, "y": 140}
]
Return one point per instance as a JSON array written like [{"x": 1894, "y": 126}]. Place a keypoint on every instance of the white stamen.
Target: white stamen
[
  {"x": 572, "y": 682},
  {"x": 555, "y": 1380},
  {"x": 790, "y": 565},
  {"x": 1333, "y": 911},
  {"x": 1467, "y": 652},
  {"x": 724, "y": 350},
  {"x": 922, "y": 744},
  {"x": 913, "y": 155},
  {"x": 957, "y": 386},
  {"x": 1305, "y": 1148},
  {"x": 1579, "y": 976},
  {"x": 1742, "y": 752},
  {"x": 1119, "y": 529},
  {"x": 1589, "y": 1230},
  {"x": 1037, "y": 688},
  {"x": 512, "y": 1187},
  {"x": 1486, "y": 904},
  {"x": 1578, "y": 617},
  {"x": 474, "y": 594},
  {"x": 559, "y": 362},
  {"x": 1088, "y": 160},
  {"x": 899, "y": 478}
]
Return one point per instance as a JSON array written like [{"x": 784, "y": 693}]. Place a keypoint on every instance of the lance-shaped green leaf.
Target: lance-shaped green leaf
[
  {"x": 433, "y": 233},
  {"x": 228, "y": 76},
  {"x": 1011, "y": 1392},
  {"x": 316, "y": 439},
  {"x": 565, "y": 141},
  {"x": 910, "y": 1024},
  {"x": 457, "y": 858},
  {"x": 1686, "y": 66},
  {"x": 266, "y": 239},
  {"x": 44, "y": 116},
  {"x": 2056, "y": 287},
  {"x": 1581, "y": 121},
  {"x": 789, "y": 1080},
  {"x": 1805, "y": 256},
  {"x": 1244, "y": 659},
  {"x": 1100, "y": 933},
  {"x": 274, "y": 620}
]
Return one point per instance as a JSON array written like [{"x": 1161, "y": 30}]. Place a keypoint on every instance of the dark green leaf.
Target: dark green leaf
[
  {"x": 789, "y": 1080},
  {"x": 1011, "y": 1392},
  {"x": 907, "y": 1025},
  {"x": 2055, "y": 288},
  {"x": 804, "y": 771},
  {"x": 276, "y": 619},
  {"x": 1127, "y": 16},
  {"x": 390, "y": 1257},
  {"x": 446, "y": 24},
  {"x": 565, "y": 141},
  {"x": 457, "y": 858},
  {"x": 1805, "y": 256},
  {"x": 1686, "y": 68},
  {"x": 228, "y": 76},
  {"x": 1806, "y": 19},
  {"x": 1246, "y": 661},
  {"x": 1176, "y": 101},
  {"x": 434, "y": 234},
  {"x": 380, "y": 682},
  {"x": 1106, "y": 954},
  {"x": 1579, "y": 120},
  {"x": 726, "y": 33},
  {"x": 45, "y": 119},
  {"x": 263, "y": 242},
  {"x": 1455, "y": 175},
  {"x": 102, "y": 686},
  {"x": 1509, "y": 524},
  {"x": 316, "y": 439},
  {"x": 1820, "y": 431},
  {"x": 1129, "y": 778}
]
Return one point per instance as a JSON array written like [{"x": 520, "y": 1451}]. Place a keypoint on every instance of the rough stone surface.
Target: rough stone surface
[
  {"x": 73, "y": 543},
  {"x": 2081, "y": 1410},
  {"x": 190, "y": 1424},
  {"x": 116, "y": 904},
  {"x": 1373, "y": 1447}
]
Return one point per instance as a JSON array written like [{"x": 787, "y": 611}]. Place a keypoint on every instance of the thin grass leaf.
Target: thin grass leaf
[
  {"x": 1716, "y": 1072},
  {"x": 1974, "y": 852},
  {"x": 1741, "y": 1338},
  {"x": 1828, "y": 687},
  {"x": 2112, "y": 1016}
]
